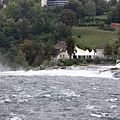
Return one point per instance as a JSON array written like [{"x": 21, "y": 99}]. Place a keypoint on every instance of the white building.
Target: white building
[
  {"x": 43, "y": 3},
  {"x": 100, "y": 51},
  {"x": 53, "y": 2},
  {"x": 84, "y": 53}
]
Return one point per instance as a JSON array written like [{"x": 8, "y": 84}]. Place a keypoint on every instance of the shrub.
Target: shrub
[
  {"x": 83, "y": 63},
  {"x": 109, "y": 28},
  {"x": 114, "y": 68},
  {"x": 101, "y": 25},
  {"x": 97, "y": 60}
]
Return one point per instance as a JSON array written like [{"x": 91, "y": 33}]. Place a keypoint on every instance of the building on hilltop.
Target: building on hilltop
[
  {"x": 56, "y": 2},
  {"x": 53, "y": 2},
  {"x": 43, "y": 3}
]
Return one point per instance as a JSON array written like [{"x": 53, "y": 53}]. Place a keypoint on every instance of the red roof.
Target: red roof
[{"x": 114, "y": 24}]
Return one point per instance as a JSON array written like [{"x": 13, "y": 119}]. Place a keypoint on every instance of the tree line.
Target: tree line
[{"x": 28, "y": 32}]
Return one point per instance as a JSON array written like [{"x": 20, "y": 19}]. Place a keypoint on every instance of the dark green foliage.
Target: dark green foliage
[
  {"x": 77, "y": 7},
  {"x": 97, "y": 60},
  {"x": 68, "y": 17},
  {"x": 69, "y": 62},
  {"x": 109, "y": 28},
  {"x": 70, "y": 46},
  {"x": 114, "y": 68},
  {"x": 114, "y": 13},
  {"x": 108, "y": 51}
]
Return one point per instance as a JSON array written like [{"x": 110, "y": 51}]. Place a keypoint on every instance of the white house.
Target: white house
[
  {"x": 60, "y": 52},
  {"x": 100, "y": 51},
  {"x": 84, "y": 53}
]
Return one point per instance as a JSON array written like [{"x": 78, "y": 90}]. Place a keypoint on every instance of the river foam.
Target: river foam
[{"x": 86, "y": 71}]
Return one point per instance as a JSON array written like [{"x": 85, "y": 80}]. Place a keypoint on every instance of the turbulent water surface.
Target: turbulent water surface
[{"x": 63, "y": 95}]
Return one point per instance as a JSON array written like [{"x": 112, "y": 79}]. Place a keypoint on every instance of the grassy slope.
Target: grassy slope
[
  {"x": 101, "y": 17},
  {"x": 92, "y": 37}
]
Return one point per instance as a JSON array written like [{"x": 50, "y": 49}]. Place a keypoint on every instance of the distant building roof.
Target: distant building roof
[
  {"x": 60, "y": 45},
  {"x": 101, "y": 46}
]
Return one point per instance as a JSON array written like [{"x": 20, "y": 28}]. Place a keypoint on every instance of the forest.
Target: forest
[{"x": 28, "y": 32}]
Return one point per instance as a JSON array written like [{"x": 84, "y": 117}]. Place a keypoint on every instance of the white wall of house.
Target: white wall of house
[
  {"x": 43, "y": 3},
  {"x": 100, "y": 53},
  {"x": 62, "y": 55},
  {"x": 84, "y": 53}
]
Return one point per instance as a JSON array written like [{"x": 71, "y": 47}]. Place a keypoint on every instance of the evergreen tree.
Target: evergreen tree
[{"x": 70, "y": 46}]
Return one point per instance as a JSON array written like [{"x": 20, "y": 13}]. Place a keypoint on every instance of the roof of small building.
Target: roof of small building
[
  {"x": 60, "y": 45},
  {"x": 101, "y": 46}
]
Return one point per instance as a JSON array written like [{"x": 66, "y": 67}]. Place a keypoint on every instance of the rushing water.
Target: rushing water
[{"x": 71, "y": 94}]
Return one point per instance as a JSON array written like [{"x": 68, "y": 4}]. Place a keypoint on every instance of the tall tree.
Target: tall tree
[
  {"x": 68, "y": 17},
  {"x": 61, "y": 31},
  {"x": 108, "y": 50},
  {"x": 13, "y": 10},
  {"x": 25, "y": 29},
  {"x": 77, "y": 7},
  {"x": 112, "y": 3},
  {"x": 101, "y": 7},
  {"x": 114, "y": 13},
  {"x": 33, "y": 51},
  {"x": 70, "y": 46},
  {"x": 20, "y": 60},
  {"x": 90, "y": 8}
]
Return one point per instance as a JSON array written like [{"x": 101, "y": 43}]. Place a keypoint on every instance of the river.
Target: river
[{"x": 71, "y": 94}]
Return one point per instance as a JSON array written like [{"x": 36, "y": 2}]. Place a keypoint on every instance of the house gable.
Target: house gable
[{"x": 60, "y": 51}]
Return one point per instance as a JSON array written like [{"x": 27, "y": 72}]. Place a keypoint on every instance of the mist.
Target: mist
[{"x": 4, "y": 67}]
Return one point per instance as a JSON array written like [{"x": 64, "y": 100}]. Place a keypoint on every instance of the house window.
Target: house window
[
  {"x": 60, "y": 56},
  {"x": 63, "y": 56}
]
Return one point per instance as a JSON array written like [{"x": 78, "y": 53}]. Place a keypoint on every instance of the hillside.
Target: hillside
[{"x": 93, "y": 37}]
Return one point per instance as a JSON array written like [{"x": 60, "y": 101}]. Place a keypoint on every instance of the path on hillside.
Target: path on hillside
[{"x": 94, "y": 29}]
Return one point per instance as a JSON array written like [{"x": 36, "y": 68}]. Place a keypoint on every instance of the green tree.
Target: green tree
[
  {"x": 39, "y": 53},
  {"x": 68, "y": 17},
  {"x": 70, "y": 46},
  {"x": 61, "y": 31},
  {"x": 112, "y": 3},
  {"x": 34, "y": 12},
  {"x": 39, "y": 25},
  {"x": 27, "y": 48},
  {"x": 77, "y": 7},
  {"x": 20, "y": 60},
  {"x": 10, "y": 56},
  {"x": 118, "y": 36},
  {"x": 6, "y": 2},
  {"x": 90, "y": 8},
  {"x": 118, "y": 53},
  {"x": 25, "y": 6},
  {"x": 25, "y": 29},
  {"x": 13, "y": 10},
  {"x": 108, "y": 50},
  {"x": 101, "y": 7},
  {"x": 114, "y": 13},
  {"x": 34, "y": 52}
]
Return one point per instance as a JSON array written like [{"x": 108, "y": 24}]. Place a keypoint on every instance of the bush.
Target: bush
[
  {"x": 97, "y": 60},
  {"x": 83, "y": 63},
  {"x": 77, "y": 61},
  {"x": 67, "y": 62},
  {"x": 114, "y": 68},
  {"x": 101, "y": 25},
  {"x": 109, "y": 28}
]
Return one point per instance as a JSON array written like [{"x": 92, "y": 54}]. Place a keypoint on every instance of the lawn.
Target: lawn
[
  {"x": 92, "y": 38},
  {"x": 101, "y": 17}
]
